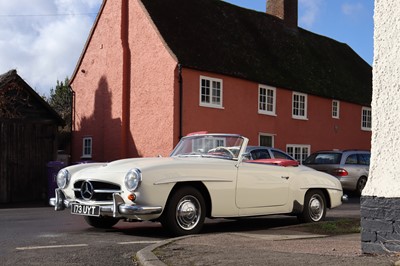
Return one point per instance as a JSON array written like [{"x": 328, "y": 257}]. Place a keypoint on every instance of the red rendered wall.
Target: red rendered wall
[
  {"x": 98, "y": 90},
  {"x": 240, "y": 115},
  {"x": 97, "y": 87},
  {"x": 154, "y": 115}
]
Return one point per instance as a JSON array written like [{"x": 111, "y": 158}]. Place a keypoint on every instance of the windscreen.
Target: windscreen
[{"x": 227, "y": 146}]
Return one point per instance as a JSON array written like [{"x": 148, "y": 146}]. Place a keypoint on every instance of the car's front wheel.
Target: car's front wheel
[
  {"x": 185, "y": 212},
  {"x": 101, "y": 222},
  {"x": 314, "y": 209}
]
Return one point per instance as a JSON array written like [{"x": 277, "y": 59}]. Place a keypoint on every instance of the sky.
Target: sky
[{"x": 43, "y": 39}]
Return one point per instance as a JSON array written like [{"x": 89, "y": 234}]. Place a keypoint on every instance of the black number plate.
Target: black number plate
[{"x": 87, "y": 210}]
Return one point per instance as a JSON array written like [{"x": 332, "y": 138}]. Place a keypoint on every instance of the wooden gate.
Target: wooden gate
[{"x": 25, "y": 149}]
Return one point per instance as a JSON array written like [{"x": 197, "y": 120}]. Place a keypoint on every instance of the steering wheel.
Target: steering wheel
[{"x": 225, "y": 150}]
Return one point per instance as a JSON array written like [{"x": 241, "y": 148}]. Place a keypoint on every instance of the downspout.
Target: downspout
[
  {"x": 180, "y": 80},
  {"x": 126, "y": 79},
  {"x": 72, "y": 117}
]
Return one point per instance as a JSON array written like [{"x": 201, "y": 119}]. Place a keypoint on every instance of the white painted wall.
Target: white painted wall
[{"x": 384, "y": 179}]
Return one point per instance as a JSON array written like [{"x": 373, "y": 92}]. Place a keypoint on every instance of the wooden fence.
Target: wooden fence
[{"x": 25, "y": 149}]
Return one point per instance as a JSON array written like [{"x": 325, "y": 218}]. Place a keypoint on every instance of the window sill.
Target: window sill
[
  {"x": 366, "y": 129},
  {"x": 265, "y": 113},
  {"x": 212, "y": 106},
  {"x": 300, "y": 118}
]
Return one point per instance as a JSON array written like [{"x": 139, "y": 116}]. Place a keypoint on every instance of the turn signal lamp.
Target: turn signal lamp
[{"x": 132, "y": 197}]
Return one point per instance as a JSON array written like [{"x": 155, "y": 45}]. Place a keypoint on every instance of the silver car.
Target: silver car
[{"x": 351, "y": 167}]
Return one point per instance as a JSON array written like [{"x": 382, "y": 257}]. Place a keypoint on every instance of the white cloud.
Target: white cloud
[
  {"x": 311, "y": 11},
  {"x": 44, "y": 47},
  {"x": 351, "y": 9}
]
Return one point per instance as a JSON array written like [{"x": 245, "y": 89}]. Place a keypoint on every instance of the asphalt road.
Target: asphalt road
[{"x": 41, "y": 236}]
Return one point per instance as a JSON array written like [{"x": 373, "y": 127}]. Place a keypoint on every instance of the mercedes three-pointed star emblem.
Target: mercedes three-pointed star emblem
[{"x": 87, "y": 190}]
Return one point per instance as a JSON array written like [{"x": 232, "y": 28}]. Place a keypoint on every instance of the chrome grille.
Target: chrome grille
[{"x": 102, "y": 191}]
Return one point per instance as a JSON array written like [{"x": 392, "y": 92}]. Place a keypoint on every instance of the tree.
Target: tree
[{"x": 61, "y": 101}]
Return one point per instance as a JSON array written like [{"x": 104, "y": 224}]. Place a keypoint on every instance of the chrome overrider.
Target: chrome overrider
[
  {"x": 118, "y": 208},
  {"x": 345, "y": 198}
]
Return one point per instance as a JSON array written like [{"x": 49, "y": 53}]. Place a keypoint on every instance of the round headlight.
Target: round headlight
[
  {"x": 133, "y": 179},
  {"x": 63, "y": 178}
]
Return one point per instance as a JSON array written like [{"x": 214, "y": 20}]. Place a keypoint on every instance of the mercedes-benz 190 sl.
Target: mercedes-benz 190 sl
[{"x": 206, "y": 175}]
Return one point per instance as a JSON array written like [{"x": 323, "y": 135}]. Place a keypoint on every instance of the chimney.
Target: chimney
[{"x": 285, "y": 10}]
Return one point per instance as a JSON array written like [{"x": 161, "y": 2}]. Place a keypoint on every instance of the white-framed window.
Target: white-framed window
[
  {"x": 266, "y": 100},
  {"x": 205, "y": 145},
  {"x": 298, "y": 151},
  {"x": 366, "y": 118},
  {"x": 335, "y": 109},
  {"x": 299, "y": 105},
  {"x": 211, "y": 92},
  {"x": 266, "y": 139},
  {"x": 87, "y": 147}
]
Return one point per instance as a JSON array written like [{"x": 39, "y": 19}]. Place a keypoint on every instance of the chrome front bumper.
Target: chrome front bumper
[{"x": 118, "y": 208}]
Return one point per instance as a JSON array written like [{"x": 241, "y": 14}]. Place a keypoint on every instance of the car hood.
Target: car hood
[{"x": 155, "y": 168}]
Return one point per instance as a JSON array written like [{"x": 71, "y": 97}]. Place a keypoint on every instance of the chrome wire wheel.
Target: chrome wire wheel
[
  {"x": 188, "y": 212},
  {"x": 316, "y": 208}
]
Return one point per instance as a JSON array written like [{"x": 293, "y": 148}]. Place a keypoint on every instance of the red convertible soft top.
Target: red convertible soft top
[{"x": 280, "y": 162}]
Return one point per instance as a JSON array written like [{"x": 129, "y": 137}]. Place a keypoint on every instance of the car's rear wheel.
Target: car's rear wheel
[
  {"x": 362, "y": 181},
  {"x": 314, "y": 209},
  {"x": 185, "y": 212},
  {"x": 101, "y": 222}
]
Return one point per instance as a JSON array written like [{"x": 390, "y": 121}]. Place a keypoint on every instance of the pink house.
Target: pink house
[{"x": 155, "y": 70}]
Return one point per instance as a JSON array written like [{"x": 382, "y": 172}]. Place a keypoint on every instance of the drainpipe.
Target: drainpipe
[
  {"x": 180, "y": 101},
  {"x": 126, "y": 78},
  {"x": 72, "y": 117},
  {"x": 72, "y": 95}
]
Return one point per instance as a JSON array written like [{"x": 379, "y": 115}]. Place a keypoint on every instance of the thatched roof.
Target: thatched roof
[
  {"x": 215, "y": 36},
  {"x": 18, "y": 101}
]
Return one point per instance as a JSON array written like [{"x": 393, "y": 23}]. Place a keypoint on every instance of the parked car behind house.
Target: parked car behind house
[{"x": 351, "y": 167}]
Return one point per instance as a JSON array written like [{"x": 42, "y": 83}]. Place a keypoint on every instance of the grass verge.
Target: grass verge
[{"x": 336, "y": 227}]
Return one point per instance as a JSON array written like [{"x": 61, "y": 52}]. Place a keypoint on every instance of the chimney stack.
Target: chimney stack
[{"x": 287, "y": 10}]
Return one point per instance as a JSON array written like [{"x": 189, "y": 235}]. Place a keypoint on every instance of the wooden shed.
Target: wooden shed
[{"x": 28, "y": 140}]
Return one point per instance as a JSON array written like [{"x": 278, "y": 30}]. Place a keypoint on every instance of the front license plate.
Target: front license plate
[{"x": 87, "y": 210}]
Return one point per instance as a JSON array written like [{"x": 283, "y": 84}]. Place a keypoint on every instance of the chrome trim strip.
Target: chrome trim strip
[
  {"x": 106, "y": 191},
  {"x": 100, "y": 190}
]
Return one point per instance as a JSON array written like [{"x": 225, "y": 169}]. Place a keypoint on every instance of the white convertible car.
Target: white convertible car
[{"x": 207, "y": 175}]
